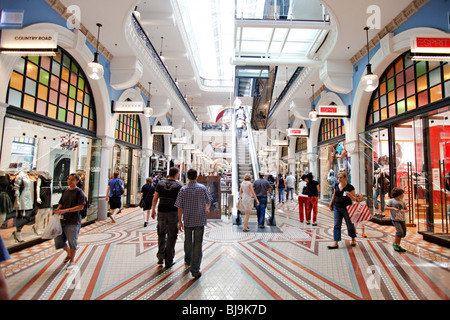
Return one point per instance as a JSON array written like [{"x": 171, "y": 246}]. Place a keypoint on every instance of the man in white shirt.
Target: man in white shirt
[{"x": 290, "y": 183}]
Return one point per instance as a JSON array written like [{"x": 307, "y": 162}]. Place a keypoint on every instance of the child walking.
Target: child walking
[{"x": 397, "y": 208}]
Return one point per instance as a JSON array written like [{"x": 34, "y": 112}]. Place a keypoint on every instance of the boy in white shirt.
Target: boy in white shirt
[{"x": 398, "y": 208}]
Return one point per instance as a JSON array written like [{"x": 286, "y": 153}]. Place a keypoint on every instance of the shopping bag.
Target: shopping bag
[
  {"x": 53, "y": 228},
  {"x": 359, "y": 212},
  {"x": 240, "y": 205}
]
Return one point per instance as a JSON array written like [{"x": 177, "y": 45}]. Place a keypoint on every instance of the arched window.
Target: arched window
[
  {"x": 128, "y": 129},
  {"x": 158, "y": 143},
  {"x": 407, "y": 85},
  {"x": 55, "y": 87},
  {"x": 300, "y": 144},
  {"x": 331, "y": 128}
]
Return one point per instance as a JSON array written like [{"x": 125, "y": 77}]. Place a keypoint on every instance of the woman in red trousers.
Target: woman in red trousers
[
  {"x": 302, "y": 198},
  {"x": 313, "y": 199}
]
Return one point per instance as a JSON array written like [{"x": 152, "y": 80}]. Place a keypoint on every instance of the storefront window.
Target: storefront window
[
  {"x": 332, "y": 155},
  {"x": 411, "y": 150},
  {"x": 126, "y": 156},
  {"x": 36, "y": 161}
]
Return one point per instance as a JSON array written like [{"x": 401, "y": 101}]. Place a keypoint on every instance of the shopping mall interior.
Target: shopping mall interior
[{"x": 227, "y": 87}]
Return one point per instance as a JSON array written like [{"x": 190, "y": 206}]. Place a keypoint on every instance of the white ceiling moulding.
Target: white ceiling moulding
[
  {"x": 125, "y": 72},
  {"x": 149, "y": 63},
  {"x": 337, "y": 75}
]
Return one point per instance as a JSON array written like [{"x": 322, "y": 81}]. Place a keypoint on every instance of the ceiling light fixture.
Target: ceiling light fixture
[
  {"x": 369, "y": 80},
  {"x": 313, "y": 115},
  {"x": 137, "y": 14},
  {"x": 176, "y": 75},
  {"x": 160, "y": 52},
  {"x": 95, "y": 69},
  {"x": 148, "y": 111}
]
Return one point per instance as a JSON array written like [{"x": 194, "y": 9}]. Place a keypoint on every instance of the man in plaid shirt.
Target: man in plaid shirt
[{"x": 193, "y": 204}]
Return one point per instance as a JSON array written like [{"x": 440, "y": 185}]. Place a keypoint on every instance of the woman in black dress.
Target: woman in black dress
[{"x": 147, "y": 192}]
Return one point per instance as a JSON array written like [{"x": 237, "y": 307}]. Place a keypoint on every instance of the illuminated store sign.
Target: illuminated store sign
[
  {"x": 127, "y": 107},
  {"x": 159, "y": 130},
  {"x": 297, "y": 132},
  {"x": 333, "y": 111},
  {"x": 29, "y": 41},
  {"x": 435, "y": 48}
]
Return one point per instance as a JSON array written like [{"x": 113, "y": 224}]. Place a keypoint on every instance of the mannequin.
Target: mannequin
[
  {"x": 43, "y": 199},
  {"x": 5, "y": 200},
  {"x": 331, "y": 178},
  {"x": 24, "y": 199}
]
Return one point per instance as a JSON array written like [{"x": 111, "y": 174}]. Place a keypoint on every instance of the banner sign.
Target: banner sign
[
  {"x": 333, "y": 111},
  {"x": 159, "y": 130},
  {"x": 431, "y": 44},
  {"x": 280, "y": 143},
  {"x": 297, "y": 133},
  {"x": 127, "y": 107},
  {"x": 16, "y": 39}
]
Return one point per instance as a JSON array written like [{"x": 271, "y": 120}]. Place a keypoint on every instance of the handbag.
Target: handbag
[
  {"x": 142, "y": 203},
  {"x": 305, "y": 190},
  {"x": 359, "y": 212},
  {"x": 240, "y": 205}
]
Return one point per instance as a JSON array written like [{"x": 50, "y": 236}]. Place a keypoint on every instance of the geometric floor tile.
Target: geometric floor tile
[{"x": 289, "y": 261}]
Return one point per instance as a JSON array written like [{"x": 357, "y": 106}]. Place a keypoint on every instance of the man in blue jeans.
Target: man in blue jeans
[
  {"x": 261, "y": 186},
  {"x": 193, "y": 202}
]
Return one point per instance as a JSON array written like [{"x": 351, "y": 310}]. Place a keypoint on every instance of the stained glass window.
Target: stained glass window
[
  {"x": 331, "y": 128},
  {"x": 300, "y": 144},
  {"x": 55, "y": 87},
  {"x": 407, "y": 85},
  {"x": 158, "y": 143},
  {"x": 128, "y": 129}
]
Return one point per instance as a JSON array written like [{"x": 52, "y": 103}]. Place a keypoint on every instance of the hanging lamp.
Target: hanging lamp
[
  {"x": 160, "y": 52},
  {"x": 95, "y": 69},
  {"x": 148, "y": 111},
  {"x": 313, "y": 115},
  {"x": 369, "y": 80}
]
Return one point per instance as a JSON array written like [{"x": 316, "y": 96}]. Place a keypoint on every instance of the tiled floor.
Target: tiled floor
[{"x": 290, "y": 261}]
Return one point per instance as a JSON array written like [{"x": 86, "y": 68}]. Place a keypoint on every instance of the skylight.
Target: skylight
[{"x": 209, "y": 25}]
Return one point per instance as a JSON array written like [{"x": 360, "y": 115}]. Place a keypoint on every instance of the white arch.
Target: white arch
[
  {"x": 326, "y": 98},
  {"x": 390, "y": 48},
  {"x": 134, "y": 94},
  {"x": 75, "y": 44}
]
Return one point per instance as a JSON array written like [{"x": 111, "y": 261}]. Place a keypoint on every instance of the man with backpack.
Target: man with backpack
[{"x": 114, "y": 193}]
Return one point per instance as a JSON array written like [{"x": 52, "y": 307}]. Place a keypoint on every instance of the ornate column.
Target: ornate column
[
  {"x": 353, "y": 153},
  {"x": 147, "y": 153},
  {"x": 107, "y": 146},
  {"x": 3, "y": 107},
  {"x": 312, "y": 158}
]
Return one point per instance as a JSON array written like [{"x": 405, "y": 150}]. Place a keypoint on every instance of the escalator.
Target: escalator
[{"x": 246, "y": 161}]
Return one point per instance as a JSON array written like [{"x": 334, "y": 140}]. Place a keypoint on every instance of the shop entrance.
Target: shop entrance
[{"x": 415, "y": 156}]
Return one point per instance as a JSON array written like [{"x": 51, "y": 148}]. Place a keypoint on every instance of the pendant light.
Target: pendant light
[
  {"x": 369, "y": 80},
  {"x": 161, "y": 53},
  {"x": 148, "y": 111},
  {"x": 95, "y": 69},
  {"x": 313, "y": 115},
  {"x": 137, "y": 14}
]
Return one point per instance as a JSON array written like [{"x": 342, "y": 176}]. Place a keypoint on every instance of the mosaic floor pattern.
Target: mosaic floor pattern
[{"x": 288, "y": 262}]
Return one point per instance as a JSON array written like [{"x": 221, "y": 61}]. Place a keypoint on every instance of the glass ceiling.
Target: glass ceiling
[
  {"x": 209, "y": 25},
  {"x": 219, "y": 30}
]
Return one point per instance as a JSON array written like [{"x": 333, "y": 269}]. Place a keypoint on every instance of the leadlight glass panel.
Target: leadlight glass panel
[{"x": 43, "y": 85}]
